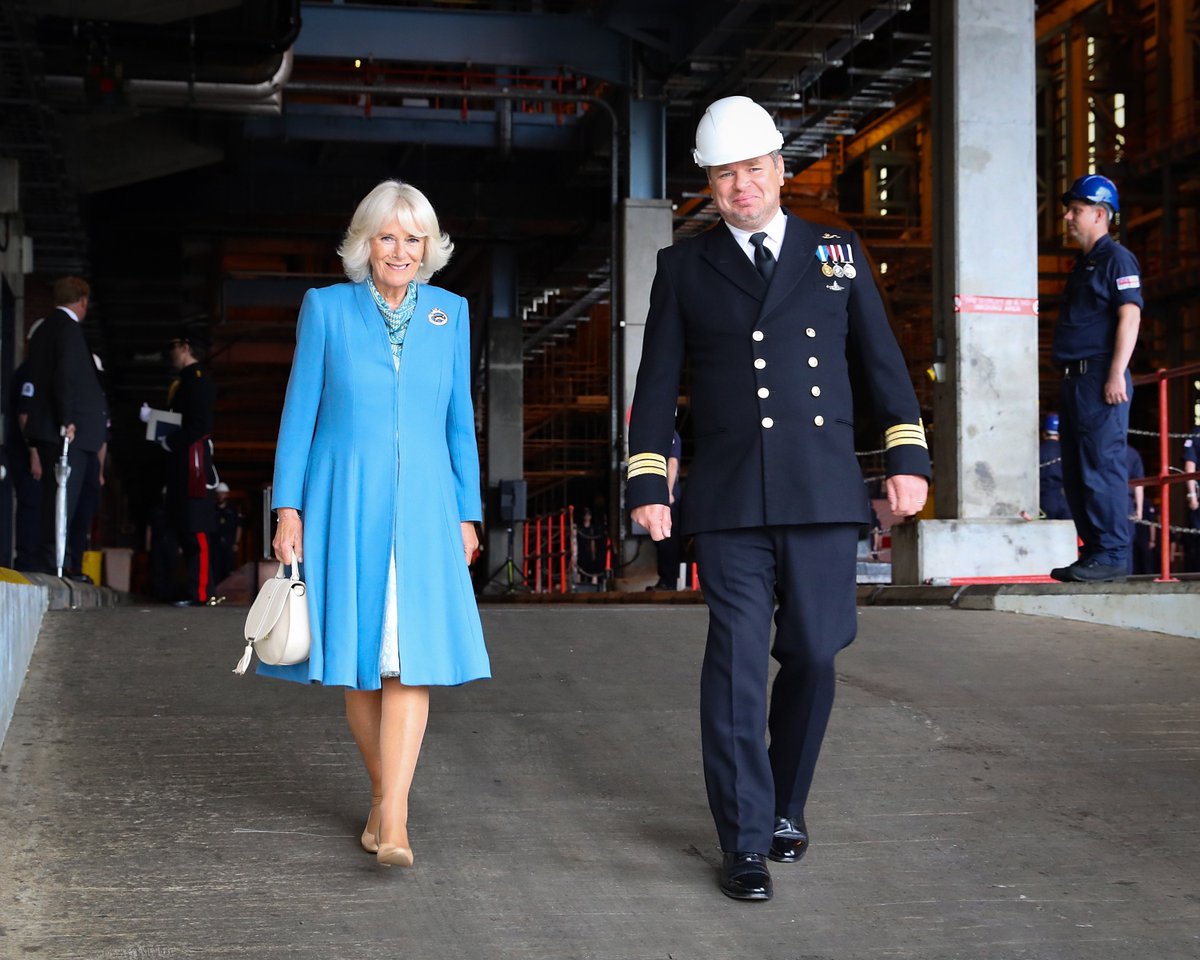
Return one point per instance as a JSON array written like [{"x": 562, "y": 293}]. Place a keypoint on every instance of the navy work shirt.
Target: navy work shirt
[
  {"x": 1191, "y": 451},
  {"x": 1102, "y": 281}
]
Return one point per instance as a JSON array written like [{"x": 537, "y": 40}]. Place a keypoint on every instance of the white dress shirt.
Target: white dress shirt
[{"x": 774, "y": 230}]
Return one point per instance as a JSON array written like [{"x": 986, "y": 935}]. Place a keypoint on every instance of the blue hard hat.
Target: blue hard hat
[
  {"x": 1050, "y": 424},
  {"x": 1093, "y": 188}
]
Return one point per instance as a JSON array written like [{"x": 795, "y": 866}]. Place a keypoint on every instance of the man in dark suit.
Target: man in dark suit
[
  {"x": 65, "y": 398},
  {"x": 770, "y": 312},
  {"x": 26, "y": 469}
]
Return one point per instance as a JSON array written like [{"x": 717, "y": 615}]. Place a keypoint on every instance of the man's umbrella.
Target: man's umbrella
[{"x": 62, "y": 471}]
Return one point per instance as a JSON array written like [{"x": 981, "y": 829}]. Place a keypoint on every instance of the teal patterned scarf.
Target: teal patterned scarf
[{"x": 396, "y": 320}]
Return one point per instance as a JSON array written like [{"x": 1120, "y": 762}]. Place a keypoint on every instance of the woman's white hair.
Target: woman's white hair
[{"x": 393, "y": 200}]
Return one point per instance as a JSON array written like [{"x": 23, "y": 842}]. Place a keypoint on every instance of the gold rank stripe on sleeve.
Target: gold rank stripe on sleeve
[
  {"x": 903, "y": 434},
  {"x": 654, "y": 464}
]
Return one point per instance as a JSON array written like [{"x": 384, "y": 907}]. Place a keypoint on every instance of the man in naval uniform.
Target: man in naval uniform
[{"x": 770, "y": 312}]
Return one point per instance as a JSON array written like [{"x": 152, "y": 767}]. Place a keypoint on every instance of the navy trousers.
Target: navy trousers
[
  {"x": 1095, "y": 478},
  {"x": 810, "y": 570}
]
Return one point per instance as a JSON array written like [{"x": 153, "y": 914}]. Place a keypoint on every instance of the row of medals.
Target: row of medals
[{"x": 832, "y": 264}]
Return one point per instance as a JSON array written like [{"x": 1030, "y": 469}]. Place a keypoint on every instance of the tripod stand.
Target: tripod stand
[{"x": 514, "y": 580}]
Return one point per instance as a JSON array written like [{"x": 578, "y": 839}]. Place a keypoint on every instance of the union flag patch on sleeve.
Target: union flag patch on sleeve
[{"x": 1129, "y": 283}]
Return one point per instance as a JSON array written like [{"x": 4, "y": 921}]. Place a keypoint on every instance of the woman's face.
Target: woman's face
[{"x": 395, "y": 257}]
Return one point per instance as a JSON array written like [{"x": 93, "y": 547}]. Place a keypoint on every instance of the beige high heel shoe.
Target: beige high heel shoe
[
  {"x": 390, "y": 855},
  {"x": 370, "y": 838}
]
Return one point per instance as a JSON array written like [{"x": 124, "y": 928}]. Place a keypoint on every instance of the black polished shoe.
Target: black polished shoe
[
  {"x": 1063, "y": 574},
  {"x": 791, "y": 840},
  {"x": 1090, "y": 571},
  {"x": 1093, "y": 571},
  {"x": 744, "y": 876}
]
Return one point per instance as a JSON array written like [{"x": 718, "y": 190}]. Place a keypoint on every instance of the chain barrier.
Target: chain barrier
[
  {"x": 1155, "y": 433},
  {"x": 1158, "y": 526}
]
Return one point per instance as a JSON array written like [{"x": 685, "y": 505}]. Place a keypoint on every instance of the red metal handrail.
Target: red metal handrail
[
  {"x": 1165, "y": 478},
  {"x": 553, "y": 554}
]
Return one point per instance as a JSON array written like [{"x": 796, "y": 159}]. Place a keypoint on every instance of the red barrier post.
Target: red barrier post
[
  {"x": 525, "y": 552},
  {"x": 537, "y": 557},
  {"x": 562, "y": 552},
  {"x": 573, "y": 546},
  {"x": 1164, "y": 470}
]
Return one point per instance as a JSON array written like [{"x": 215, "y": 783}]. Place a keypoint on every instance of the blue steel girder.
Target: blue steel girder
[
  {"x": 536, "y": 41},
  {"x": 425, "y": 125}
]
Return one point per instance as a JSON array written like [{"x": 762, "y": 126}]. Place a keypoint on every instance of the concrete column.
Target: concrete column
[
  {"x": 985, "y": 294},
  {"x": 15, "y": 262},
  {"x": 505, "y": 413},
  {"x": 645, "y": 229}
]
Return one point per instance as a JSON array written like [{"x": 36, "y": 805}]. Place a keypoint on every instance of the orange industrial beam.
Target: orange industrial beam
[
  {"x": 1075, "y": 103},
  {"x": 887, "y": 126},
  {"x": 1060, "y": 16}
]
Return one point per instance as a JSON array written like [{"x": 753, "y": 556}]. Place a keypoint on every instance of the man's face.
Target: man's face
[
  {"x": 179, "y": 354},
  {"x": 1085, "y": 221},
  {"x": 747, "y": 192}
]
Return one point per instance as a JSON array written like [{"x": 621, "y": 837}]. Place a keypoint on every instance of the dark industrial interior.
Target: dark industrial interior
[{"x": 198, "y": 160}]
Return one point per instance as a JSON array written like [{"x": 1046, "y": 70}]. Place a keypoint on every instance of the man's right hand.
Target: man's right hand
[
  {"x": 655, "y": 517},
  {"x": 35, "y": 464}
]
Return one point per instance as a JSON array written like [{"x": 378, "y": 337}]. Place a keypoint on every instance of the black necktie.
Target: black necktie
[{"x": 763, "y": 258}]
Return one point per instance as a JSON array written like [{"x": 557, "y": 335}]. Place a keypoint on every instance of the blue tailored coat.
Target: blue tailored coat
[{"x": 375, "y": 458}]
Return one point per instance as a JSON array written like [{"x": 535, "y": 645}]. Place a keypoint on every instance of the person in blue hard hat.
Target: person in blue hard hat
[
  {"x": 1050, "y": 475},
  {"x": 1093, "y": 341}
]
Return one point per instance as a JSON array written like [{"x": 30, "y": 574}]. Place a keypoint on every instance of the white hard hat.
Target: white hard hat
[
  {"x": 732, "y": 129},
  {"x": 222, "y": 487}
]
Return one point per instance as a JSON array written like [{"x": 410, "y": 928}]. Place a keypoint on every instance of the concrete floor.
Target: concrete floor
[{"x": 994, "y": 786}]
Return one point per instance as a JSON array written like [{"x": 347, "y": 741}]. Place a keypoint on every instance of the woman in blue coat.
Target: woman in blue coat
[{"x": 377, "y": 491}]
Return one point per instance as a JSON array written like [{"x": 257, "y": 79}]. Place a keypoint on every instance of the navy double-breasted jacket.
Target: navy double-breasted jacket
[{"x": 771, "y": 399}]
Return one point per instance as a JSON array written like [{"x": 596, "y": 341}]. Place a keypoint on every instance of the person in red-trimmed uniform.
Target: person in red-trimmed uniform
[
  {"x": 191, "y": 476},
  {"x": 770, "y": 312}
]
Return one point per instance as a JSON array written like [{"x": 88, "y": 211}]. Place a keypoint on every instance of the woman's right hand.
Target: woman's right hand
[{"x": 289, "y": 536}]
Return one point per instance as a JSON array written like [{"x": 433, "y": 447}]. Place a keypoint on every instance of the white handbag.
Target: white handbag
[{"x": 277, "y": 624}]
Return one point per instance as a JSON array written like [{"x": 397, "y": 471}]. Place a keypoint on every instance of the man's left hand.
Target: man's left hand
[{"x": 906, "y": 494}]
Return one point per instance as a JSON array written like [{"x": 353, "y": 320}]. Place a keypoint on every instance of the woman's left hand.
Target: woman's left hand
[{"x": 471, "y": 547}]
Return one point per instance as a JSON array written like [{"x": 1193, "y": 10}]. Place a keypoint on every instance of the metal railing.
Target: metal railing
[{"x": 1165, "y": 478}]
